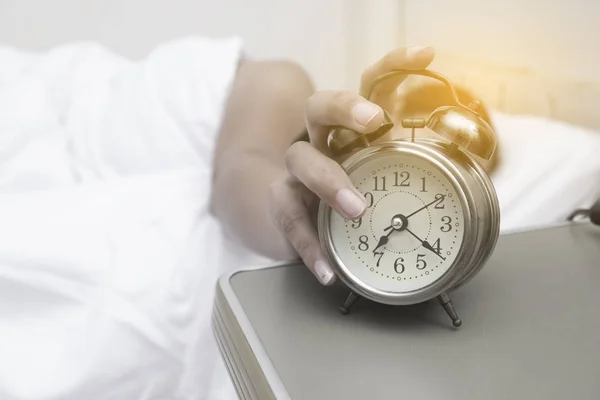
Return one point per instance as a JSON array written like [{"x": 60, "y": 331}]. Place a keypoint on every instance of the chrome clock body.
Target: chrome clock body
[
  {"x": 479, "y": 218},
  {"x": 421, "y": 268}
]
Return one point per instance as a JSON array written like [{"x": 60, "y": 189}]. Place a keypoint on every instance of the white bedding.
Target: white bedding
[
  {"x": 108, "y": 255},
  {"x": 548, "y": 169}
]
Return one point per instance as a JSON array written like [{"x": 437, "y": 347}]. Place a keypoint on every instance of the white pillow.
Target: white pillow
[{"x": 547, "y": 170}]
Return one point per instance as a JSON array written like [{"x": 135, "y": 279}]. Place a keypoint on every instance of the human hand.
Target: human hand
[{"x": 313, "y": 175}]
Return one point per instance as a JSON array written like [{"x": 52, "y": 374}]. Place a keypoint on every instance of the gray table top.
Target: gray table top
[{"x": 531, "y": 329}]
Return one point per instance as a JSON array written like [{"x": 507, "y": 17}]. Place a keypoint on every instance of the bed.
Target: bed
[{"x": 546, "y": 119}]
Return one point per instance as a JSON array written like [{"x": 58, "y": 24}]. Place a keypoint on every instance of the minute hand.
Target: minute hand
[
  {"x": 426, "y": 244},
  {"x": 425, "y": 206}
]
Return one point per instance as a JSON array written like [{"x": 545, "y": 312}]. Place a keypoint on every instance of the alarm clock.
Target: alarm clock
[{"x": 432, "y": 218}]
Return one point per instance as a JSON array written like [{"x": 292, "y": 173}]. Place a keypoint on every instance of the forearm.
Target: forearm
[
  {"x": 265, "y": 115},
  {"x": 240, "y": 201}
]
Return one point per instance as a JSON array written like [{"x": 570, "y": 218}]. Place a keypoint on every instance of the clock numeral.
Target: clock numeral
[
  {"x": 377, "y": 188},
  {"x": 421, "y": 263},
  {"x": 423, "y": 185},
  {"x": 405, "y": 175},
  {"x": 447, "y": 221},
  {"x": 440, "y": 203},
  {"x": 370, "y": 199},
  {"x": 356, "y": 223},
  {"x": 363, "y": 245},
  {"x": 398, "y": 265},
  {"x": 380, "y": 254},
  {"x": 437, "y": 247}
]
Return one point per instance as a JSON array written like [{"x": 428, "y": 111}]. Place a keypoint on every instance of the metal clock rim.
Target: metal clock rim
[
  {"x": 485, "y": 249},
  {"x": 455, "y": 271}
]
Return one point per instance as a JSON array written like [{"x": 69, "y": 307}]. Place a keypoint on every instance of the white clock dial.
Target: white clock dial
[{"x": 412, "y": 230}]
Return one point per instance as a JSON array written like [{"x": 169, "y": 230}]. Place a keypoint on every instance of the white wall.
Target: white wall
[
  {"x": 552, "y": 37},
  {"x": 373, "y": 28},
  {"x": 537, "y": 57},
  {"x": 309, "y": 31},
  {"x": 333, "y": 39}
]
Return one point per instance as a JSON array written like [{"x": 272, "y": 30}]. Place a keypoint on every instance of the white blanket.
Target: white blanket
[{"x": 108, "y": 254}]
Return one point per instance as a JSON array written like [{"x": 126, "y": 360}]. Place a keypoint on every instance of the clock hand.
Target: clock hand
[
  {"x": 425, "y": 206},
  {"x": 399, "y": 223},
  {"x": 426, "y": 244},
  {"x": 383, "y": 240}
]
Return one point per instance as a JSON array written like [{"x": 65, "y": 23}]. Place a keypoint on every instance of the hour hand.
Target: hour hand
[
  {"x": 399, "y": 223},
  {"x": 382, "y": 241}
]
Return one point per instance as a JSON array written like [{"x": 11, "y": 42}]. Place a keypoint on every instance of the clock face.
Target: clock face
[{"x": 412, "y": 230}]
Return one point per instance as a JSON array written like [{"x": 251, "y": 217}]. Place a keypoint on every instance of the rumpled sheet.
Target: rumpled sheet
[{"x": 108, "y": 252}]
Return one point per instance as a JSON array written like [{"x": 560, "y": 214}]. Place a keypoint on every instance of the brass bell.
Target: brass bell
[
  {"x": 462, "y": 126},
  {"x": 458, "y": 123}
]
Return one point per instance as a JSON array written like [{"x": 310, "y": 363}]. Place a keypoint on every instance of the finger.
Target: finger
[
  {"x": 325, "y": 178},
  {"x": 291, "y": 217},
  {"x": 409, "y": 58},
  {"x": 325, "y": 109}
]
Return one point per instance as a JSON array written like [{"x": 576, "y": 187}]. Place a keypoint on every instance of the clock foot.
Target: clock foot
[
  {"x": 350, "y": 300},
  {"x": 444, "y": 300}
]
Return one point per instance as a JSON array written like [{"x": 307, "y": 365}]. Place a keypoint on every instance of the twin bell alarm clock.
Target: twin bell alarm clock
[{"x": 432, "y": 218}]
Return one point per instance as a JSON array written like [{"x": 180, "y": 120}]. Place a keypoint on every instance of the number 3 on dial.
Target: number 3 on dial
[{"x": 447, "y": 227}]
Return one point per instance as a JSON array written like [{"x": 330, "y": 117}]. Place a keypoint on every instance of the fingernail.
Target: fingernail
[
  {"x": 324, "y": 272},
  {"x": 364, "y": 113},
  {"x": 350, "y": 203},
  {"x": 413, "y": 51}
]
